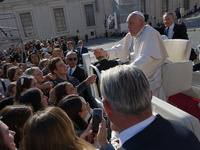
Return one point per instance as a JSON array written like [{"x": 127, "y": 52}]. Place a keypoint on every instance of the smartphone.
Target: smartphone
[
  {"x": 107, "y": 122},
  {"x": 96, "y": 119}
]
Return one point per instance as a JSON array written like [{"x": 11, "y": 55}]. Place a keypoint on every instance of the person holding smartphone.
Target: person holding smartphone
[{"x": 80, "y": 113}]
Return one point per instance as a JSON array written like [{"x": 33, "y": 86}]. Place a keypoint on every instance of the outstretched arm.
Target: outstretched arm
[{"x": 99, "y": 52}]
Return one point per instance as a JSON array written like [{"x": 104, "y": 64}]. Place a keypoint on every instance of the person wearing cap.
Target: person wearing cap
[{"x": 142, "y": 47}]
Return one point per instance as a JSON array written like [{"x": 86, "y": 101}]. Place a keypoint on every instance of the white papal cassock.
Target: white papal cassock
[{"x": 147, "y": 52}]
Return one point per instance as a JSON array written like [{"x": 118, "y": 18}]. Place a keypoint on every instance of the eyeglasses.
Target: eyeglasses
[{"x": 70, "y": 59}]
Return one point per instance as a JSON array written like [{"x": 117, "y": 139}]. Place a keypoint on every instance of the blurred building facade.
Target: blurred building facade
[
  {"x": 44, "y": 19},
  {"x": 154, "y": 9},
  {"x": 36, "y": 19}
]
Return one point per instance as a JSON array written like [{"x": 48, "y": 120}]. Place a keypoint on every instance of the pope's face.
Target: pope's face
[{"x": 134, "y": 24}]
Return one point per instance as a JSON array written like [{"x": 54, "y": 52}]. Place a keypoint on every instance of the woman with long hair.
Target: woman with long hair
[
  {"x": 7, "y": 137},
  {"x": 14, "y": 73},
  {"x": 15, "y": 117},
  {"x": 35, "y": 98},
  {"x": 23, "y": 83},
  {"x": 51, "y": 129},
  {"x": 63, "y": 89},
  {"x": 78, "y": 111},
  {"x": 44, "y": 85}
]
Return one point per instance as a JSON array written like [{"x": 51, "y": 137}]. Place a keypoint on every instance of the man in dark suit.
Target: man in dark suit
[
  {"x": 63, "y": 46},
  {"x": 79, "y": 73},
  {"x": 171, "y": 29},
  {"x": 70, "y": 47},
  {"x": 81, "y": 50},
  {"x": 75, "y": 70},
  {"x": 175, "y": 31},
  {"x": 104, "y": 64},
  {"x": 180, "y": 22},
  {"x": 127, "y": 102}
]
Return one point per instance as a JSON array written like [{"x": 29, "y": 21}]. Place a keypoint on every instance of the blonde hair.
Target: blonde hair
[
  {"x": 29, "y": 71},
  {"x": 52, "y": 129}
]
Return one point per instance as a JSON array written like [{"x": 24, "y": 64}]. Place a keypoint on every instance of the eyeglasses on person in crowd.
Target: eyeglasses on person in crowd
[{"x": 74, "y": 59}]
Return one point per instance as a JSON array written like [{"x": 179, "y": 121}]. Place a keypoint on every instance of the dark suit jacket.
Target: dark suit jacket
[
  {"x": 63, "y": 47},
  {"x": 179, "y": 31},
  {"x": 163, "y": 134},
  {"x": 79, "y": 73},
  {"x": 105, "y": 64},
  {"x": 79, "y": 54}
]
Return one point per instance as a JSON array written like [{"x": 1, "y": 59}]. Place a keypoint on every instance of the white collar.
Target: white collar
[
  {"x": 73, "y": 69},
  {"x": 133, "y": 130},
  {"x": 172, "y": 26},
  {"x": 139, "y": 33}
]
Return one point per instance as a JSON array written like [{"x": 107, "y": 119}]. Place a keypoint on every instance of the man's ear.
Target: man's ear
[
  {"x": 151, "y": 94},
  {"x": 107, "y": 107}
]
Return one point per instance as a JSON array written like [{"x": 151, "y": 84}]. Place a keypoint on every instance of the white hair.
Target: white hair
[{"x": 126, "y": 89}]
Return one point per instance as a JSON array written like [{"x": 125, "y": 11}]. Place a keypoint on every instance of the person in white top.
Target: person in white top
[{"x": 143, "y": 47}]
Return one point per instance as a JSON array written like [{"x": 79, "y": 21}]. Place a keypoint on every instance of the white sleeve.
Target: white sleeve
[
  {"x": 112, "y": 52},
  {"x": 142, "y": 61}
]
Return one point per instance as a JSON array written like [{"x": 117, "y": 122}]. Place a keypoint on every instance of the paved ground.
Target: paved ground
[
  {"x": 192, "y": 21},
  {"x": 193, "y": 25}
]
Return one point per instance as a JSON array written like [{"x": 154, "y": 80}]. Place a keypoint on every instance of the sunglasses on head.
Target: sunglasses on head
[{"x": 70, "y": 59}]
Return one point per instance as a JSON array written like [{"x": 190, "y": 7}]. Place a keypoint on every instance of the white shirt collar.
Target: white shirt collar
[
  {"x": 73, "y": 69},
  {"x": 171, "y": 31},
  {"x": 133, "y": 130},
  {"x": 172, "y": 26},
  {"x": 139, "y": 33}
]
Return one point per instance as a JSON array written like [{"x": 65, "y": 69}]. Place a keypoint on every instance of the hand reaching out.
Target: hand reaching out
[
  {"x": 99, "y": 52},
  {"x": 91, "y": 79}
]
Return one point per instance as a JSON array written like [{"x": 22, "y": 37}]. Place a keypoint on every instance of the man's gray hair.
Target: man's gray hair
[
  {"x": 169, "y": 13},
  {"x": 126, "y": 89},
  {"x": 71, "y": 53}
]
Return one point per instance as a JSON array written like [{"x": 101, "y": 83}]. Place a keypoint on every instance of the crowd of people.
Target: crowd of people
[
  {"x": 46, "y": 102},
  {"x": 41, "y": 77}
]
